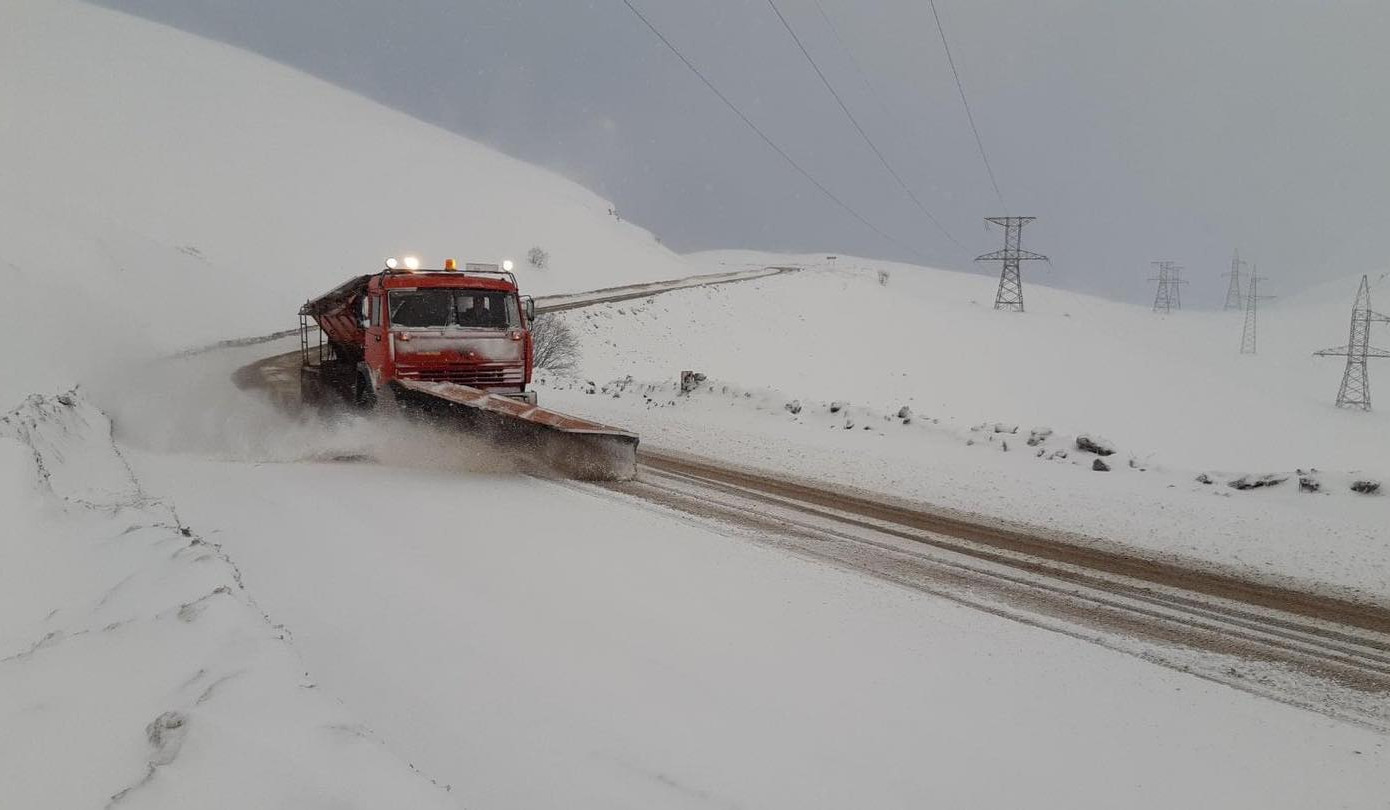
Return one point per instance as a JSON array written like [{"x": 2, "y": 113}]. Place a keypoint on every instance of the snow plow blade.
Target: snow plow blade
[{"x": 577, "y": 448}]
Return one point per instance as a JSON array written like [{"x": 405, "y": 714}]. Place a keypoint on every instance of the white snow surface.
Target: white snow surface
[
  {"x": 135, "y": 671},
  {"x": 593, "y": 653},
  {"x": 232, "y": 621}
]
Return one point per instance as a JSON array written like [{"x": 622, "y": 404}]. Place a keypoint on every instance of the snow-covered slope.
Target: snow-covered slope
[
  {"x": 1173, "y": 388},
  {"x": 158, "y": 190},
  {"x": 1171, "y": 393}
]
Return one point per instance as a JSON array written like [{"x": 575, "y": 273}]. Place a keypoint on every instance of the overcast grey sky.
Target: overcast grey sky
[{"x": 1134, "y": 131}]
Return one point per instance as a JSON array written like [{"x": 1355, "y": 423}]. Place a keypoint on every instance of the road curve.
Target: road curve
[{"x": 559, "y": 303}]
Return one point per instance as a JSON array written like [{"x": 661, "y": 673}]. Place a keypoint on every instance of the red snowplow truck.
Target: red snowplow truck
[
  {"x": 452, "y": 341},
  {"x": 470, "y": 327}
]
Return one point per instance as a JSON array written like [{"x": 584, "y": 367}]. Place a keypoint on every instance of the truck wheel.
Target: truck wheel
[
  {"x": 364, "y": 395},
  {"x": 310, "y": 390}
]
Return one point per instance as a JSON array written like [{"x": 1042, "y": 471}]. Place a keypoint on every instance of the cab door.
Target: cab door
[{"x": 377, "y": 347}]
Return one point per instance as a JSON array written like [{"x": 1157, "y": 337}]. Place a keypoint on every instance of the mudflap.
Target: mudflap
[{"x": 560, "y": 443}]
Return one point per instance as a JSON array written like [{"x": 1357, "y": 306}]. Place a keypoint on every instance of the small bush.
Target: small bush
[
  {"x": 555, "y": 343},
  {"x": 538, "y": 258}
]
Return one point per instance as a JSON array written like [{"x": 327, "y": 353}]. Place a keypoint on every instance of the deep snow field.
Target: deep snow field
[{"x": 202, "y": 604}]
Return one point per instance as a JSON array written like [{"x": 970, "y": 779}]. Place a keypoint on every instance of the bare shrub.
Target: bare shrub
[
  {"x": 555, "y": 343},
  {"x": 538, "y": 258}
]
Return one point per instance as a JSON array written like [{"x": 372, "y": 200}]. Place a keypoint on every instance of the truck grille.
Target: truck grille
[{"x": 477, "y": 375}]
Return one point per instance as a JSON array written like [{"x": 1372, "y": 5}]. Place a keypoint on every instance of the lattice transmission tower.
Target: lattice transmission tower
[
  {"x": 1233, "y": 299},
  {"x": 1010, "y": 294},
  {"x": 1169, "y": 280},
  {"x": 1252, "y": 306},
  {"x": 1356, "y": 385}
]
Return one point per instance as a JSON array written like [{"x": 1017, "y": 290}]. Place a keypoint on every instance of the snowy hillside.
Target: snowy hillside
[
  {"x": 153, "y": 213},
  {"x": 1174, "y": 388},
  {"x": 1171, "y": 394}
]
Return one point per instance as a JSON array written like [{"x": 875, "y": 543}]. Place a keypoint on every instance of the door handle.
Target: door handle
[{"x": 377, "y": 338}]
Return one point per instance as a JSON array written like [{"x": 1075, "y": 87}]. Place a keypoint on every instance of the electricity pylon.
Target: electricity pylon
[
  {"x": 1169, "y": 278},
  {"x": 1356, "y": 385},
  {"x": 1252, "y": 302},
  {"x": 1010, "y": 294},
  {"x": 1233, "y": 292}
]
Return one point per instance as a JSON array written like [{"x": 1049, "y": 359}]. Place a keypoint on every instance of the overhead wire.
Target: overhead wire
[
  {"x": 860, "y": 129},
  {"x": 970, "y": 117},
  {"x": 768, "y": 140},
  {"x": 854, "y": 62}
]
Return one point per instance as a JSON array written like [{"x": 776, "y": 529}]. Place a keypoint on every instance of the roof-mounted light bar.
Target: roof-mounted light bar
[{"x": 411, "y": 264}]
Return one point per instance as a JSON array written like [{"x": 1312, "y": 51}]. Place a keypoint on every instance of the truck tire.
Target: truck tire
[
  {"x": 310, "y": 389},
  {"x": 364, "y": 395}
]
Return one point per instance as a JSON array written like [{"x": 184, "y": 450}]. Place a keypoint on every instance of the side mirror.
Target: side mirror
[{"x": 530, "y": 304}]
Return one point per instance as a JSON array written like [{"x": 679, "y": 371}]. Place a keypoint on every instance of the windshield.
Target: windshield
[{"x": 479, "y": 309}]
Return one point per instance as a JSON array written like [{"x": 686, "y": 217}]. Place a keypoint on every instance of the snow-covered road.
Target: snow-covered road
[{"x": 597, "y": 654}]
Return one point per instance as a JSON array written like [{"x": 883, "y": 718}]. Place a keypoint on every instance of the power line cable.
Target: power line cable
[
  {"x": 767, "y": 140},
  {"x": 860, "y": 129},
  {"x": 858, "y": 69},
  {"x": 965, "y": 103}
]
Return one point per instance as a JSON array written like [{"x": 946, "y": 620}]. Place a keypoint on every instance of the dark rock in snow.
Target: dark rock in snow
[
  {"x": 1365, "y": 487},
  {"x": 794, "y": 406},
  {"x": 166, "y": 733},
  {"x": 1000, "y": 427},
  {"x": 1307, "y": 483},
  {"x": 690, "y": 380},
  {"x": 1257, "y": 481},
  {"x": 1037, "y": 436},
  {"x": 905, "y": 413},
  {"x": 1094, "y": 444},
  {"x": 1204, "y": 479},
  {"x": 837, "y": 406},
  {"x": 1100, "y": 466}
]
